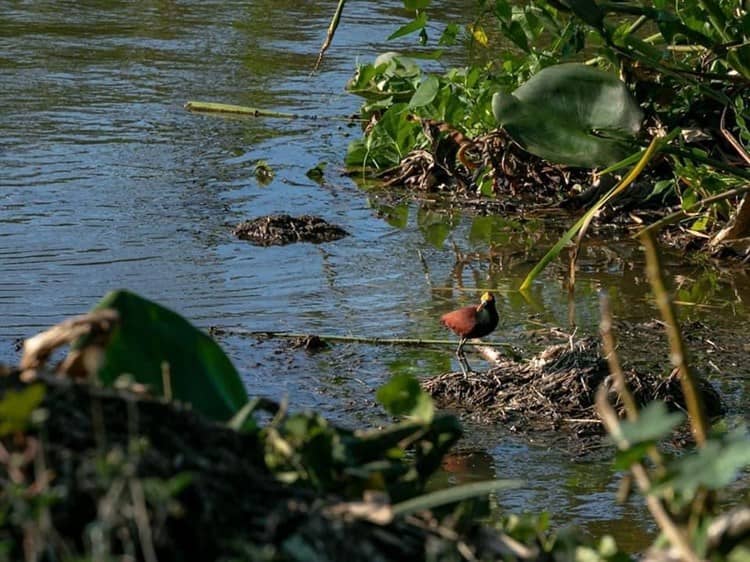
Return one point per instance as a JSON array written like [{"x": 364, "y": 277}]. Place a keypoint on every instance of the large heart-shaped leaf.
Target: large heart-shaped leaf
[
  {"x": 571, "y": 114},
  {"x": 152, "y": 342}
]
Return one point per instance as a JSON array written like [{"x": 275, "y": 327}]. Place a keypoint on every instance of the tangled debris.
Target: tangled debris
[
  {"x": 285, "y": 229},
  {"x": 466, "y": 167},
  {"x": 555, "y": 390},
  {"x": 311, "y": 343},
  {"x": 454, "y": 161}
]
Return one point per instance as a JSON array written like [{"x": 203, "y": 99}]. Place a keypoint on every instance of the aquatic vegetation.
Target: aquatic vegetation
[{"x": 686, "y": 66}]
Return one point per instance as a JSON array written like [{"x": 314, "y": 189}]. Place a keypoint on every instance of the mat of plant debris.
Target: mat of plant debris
[
  {"x": 284, "y": 229},
  {"x": 554, "y": 390},
  {"x": 460, "y": 165}
]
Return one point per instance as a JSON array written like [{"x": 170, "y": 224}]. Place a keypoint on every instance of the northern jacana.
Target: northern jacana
[{"x": 471, "y": 322}]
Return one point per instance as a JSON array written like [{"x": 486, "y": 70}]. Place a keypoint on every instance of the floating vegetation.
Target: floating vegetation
[{"x": 555, "y": 390}]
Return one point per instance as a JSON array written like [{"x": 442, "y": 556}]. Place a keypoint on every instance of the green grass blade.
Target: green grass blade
[
  {"x": 583, "y": 222},
  {"x": 453, "y": 495}
]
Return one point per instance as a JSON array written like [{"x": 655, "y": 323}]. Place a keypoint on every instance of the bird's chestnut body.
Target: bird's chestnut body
[{"x": 471, "y": 322}]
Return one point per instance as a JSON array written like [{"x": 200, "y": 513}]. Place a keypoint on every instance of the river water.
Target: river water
[{"x": 107, "y": 182}]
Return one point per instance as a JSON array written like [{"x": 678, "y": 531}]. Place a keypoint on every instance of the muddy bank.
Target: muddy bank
[{"x": 208, "y": 493}]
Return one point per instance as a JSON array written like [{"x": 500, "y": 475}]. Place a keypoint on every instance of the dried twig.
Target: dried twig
[
  {"x": 608, "y": 342},
  {"x": 37, "y": 350},
  {"x": 655, "y": 505},
  {"x": 740, "y": 224},
  {"x": 739, "y": 149},
  {"x": 689, "y": 383}
]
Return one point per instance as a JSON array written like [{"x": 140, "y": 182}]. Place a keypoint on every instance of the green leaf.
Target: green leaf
[
  {"x": 426, "y": 92},
  {"x": 701, "y": 224},
  {"x": 389, "y": 140},
  {"x": 449, "y": 35},
  {"x": 263, "y": 172},
  {"x": 655, "y": 422},
  {"x": 390, "y": 76},
  {"x": 160, "y": 490},
  {"x": 356, "y": 154},
  {"x": 515, "y": 32},
  {"x": 152, "y": 343},
  {"x": 713, "y": 466},
  {"x": 316, "y": 172},
  {"x": 588, "y": 11},
  {"x": 403, "y": 396},
  {"x": 662, "y": 186},
  {"x": 417, "y": 24},
  {"x": 502, "y": 10},
  {"x": 16, "y": 408},
  {"x": 571, "y": 114},
  {"x": 624, "y": 459},
  {"x": 669, "y": 24},
  {"x": 486, "y": 185}
]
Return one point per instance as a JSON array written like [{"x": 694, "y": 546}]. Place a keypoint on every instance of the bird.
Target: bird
[{"x": 469, "y": 322}]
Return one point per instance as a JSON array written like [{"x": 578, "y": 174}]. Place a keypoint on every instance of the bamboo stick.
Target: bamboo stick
[
  {"x": 247, "y": 111},
  {"x": 608, "y": 341},
  {"x": 211, "y": 107}
]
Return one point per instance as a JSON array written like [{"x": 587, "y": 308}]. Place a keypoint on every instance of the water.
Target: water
[{"x": 107, "y": 182}]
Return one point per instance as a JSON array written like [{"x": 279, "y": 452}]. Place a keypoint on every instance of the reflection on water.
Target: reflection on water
[{"x": 106, "y": 181}]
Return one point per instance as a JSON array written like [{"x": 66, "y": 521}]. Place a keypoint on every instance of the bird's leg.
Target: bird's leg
[{"x": 465, "y": 369}]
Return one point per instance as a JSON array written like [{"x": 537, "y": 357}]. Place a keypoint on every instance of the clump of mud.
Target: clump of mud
[
  {"x": 284, "y": 229},
  {"x": 555, "y": 390}
]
